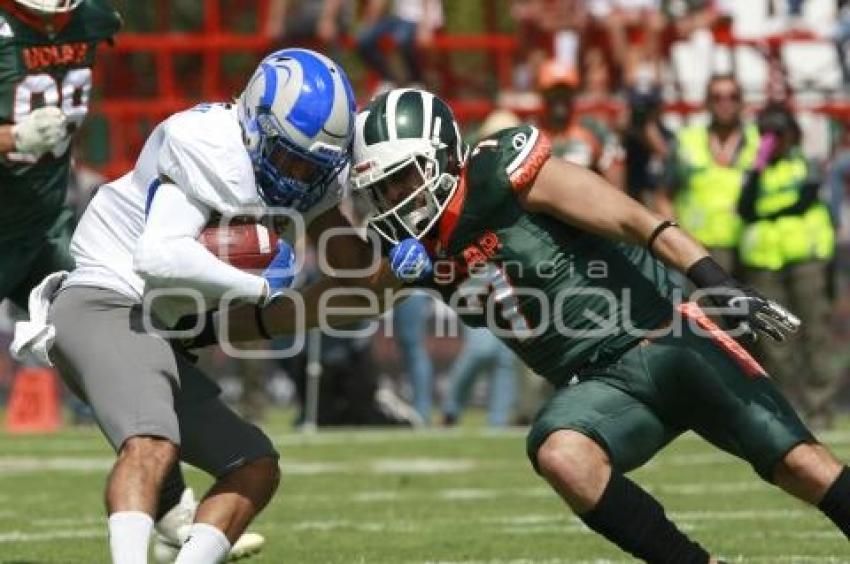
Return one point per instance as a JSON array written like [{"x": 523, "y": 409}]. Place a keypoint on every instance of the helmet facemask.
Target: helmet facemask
[
  {"x": 407, "y": 197},
  {"x": 288, "y": 175}
]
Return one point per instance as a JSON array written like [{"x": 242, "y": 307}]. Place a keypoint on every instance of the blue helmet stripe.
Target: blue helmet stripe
[
  {"x": 316, "y": 99},
  {"x": 271, "y": 85}
]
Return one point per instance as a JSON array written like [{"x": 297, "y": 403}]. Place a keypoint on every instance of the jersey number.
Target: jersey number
[
  {"x": 39, "y": 90},
  {"x": 491, "y": 282}
]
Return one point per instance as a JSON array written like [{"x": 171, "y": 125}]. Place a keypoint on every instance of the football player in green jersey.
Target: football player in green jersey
[
  {"x": 47, "y": 49},
  {"x": 563, "y": 268}
]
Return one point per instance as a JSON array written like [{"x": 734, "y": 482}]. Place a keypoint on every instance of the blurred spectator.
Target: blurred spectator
[
  {"x": 688, "y": 16},
  {"x": 786, "y": 244},
  {"x": 634, "y": 31},
  {"x": 482, "y": 351},
  {"x": 410, "y": 329},
  {"x": 412, "y": 24},
  {"x": 795, "y": 8},
  {"x": 708, "y": 171},
  {"x": 495, "y": 121},
  {"x": 305, "y": 22},
  {"x": 648, "y": 144},
  {"x": 841, "y": 36},
  {"x": 838, "y": 177},
  {"x": 534, "y": 392},
  {"x": 532, "y": 41},
  {"x": 584, "y": 141},
  {"x": 348, "y": 392}
]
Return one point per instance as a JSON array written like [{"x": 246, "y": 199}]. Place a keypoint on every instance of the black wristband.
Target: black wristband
[
  {"x": 706, "y": 273},
  {"x": 657, "y": 231},
  {"x": 261, "y": 323}
]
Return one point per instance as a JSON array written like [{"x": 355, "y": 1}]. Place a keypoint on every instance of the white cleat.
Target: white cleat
[
  {"x": 172, "y": 530},
  {"x": 246, "y": 546}
]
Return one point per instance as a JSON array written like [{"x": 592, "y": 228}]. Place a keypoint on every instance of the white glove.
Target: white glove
[{"x": 40, "y": 131}]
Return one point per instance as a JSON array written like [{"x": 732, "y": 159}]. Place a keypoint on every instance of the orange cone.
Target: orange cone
[{"x": 34, "y": 403}]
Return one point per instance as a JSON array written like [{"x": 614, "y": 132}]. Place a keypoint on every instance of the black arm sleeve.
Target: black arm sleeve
[
  {"x": 749, "y": 195},
  {"x": 808, "y": 195}
]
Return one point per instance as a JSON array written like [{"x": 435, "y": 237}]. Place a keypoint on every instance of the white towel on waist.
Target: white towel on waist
[{"x": 34, "y": 338}]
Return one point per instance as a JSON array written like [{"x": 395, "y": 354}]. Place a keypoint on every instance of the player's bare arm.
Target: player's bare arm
[
  {"x": 581, "y": 198},
  {"x": 584, "y": 199},
  {"x": 7, "y": 139},
  {"x": 344, "y": 252}
]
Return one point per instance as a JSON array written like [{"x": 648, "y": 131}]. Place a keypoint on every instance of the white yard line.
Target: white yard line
[
  {"x": 27, "y": 464},
  {"x": 422, "y": 465},
  {"x": 706, "y": 488},
  {"x": 20, "y": 536},
  {"x": 742, "y": 514},
  {"x": 406, "y": 436}
]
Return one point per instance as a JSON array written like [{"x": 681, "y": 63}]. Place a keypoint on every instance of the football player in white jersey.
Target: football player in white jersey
[{"x": 282, "y": 146}]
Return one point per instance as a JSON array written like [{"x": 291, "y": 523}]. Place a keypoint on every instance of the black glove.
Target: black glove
[{"x": 745, "y": 310}]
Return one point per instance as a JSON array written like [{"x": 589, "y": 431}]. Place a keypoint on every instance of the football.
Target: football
[{"x": 247, "y": 246}]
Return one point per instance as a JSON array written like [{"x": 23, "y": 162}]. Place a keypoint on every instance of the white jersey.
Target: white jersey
[{"x": 202, "y": 153}]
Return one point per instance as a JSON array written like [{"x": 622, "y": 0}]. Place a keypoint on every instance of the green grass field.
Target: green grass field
[{"x": 465, "y": 496}]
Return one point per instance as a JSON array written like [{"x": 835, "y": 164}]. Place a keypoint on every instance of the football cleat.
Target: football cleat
[
  {"x": 172, "y": 530},
  {"x": 246, "y": 546}
]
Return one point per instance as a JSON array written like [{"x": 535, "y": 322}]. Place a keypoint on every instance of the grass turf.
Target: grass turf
[{"x": 459, "y": 496}]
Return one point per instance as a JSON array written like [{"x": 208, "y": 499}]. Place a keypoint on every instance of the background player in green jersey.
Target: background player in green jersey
[
  {"x": 554, "y": 261},
  {"x": 47, "y": 49}
]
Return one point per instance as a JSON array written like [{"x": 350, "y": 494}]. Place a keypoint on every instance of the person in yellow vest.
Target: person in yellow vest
[
  {"x": 786, "y": 244},
  {"x": 708, "y": 170}
]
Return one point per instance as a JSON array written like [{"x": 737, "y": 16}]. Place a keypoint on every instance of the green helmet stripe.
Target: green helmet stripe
[
  {"x": 428, "y": 112},
  {"x": 409, "y": 115},
  {"x": 375, "y": 126}
]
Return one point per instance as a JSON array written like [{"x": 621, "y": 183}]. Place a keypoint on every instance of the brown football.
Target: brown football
[{"x": 248, "y": 246}]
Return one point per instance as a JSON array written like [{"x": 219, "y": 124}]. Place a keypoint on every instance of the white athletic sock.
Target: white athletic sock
[
  {"x": 129, "y": 533},
  {"x": 206, "y": 545}
]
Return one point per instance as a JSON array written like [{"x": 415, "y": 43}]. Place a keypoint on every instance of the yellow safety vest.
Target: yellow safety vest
[
  {"x": 706, "y": 203},
  {"x": 773, "y": 244}
]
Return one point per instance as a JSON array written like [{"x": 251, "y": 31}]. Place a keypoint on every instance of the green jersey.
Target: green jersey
[
  {"x": 43, "y": 65},
  {"x": 561, "y": 298}
]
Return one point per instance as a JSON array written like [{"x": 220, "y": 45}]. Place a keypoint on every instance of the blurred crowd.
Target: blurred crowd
[{"x": 656, "y": 97}]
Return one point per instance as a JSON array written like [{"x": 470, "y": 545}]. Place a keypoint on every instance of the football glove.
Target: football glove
[
  {"x": 409, "y": 261},
  {"x": 747, "y": 312},
  {"x": 40, "y": 131},
  {"x": 280, "y": 272}
]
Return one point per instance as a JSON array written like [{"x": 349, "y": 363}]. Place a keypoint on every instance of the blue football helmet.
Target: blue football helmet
[{"x": 297, "y": 115}]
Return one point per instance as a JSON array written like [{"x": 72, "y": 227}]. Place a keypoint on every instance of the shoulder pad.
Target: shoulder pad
[
  {"x": 521, "y": 151},
  {"x": 202, "y": 152}
]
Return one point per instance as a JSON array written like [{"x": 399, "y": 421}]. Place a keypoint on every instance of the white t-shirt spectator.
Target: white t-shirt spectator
[
  {"x": 414, "y": 11},
  {"x": 602, "y": 8}
]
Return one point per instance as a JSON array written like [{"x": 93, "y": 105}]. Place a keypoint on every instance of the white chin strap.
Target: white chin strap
[{"x": 50, "y": 6}]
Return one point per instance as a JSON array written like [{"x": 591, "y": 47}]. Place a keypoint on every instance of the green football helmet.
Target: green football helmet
[{"x": 408, "y": 156}]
